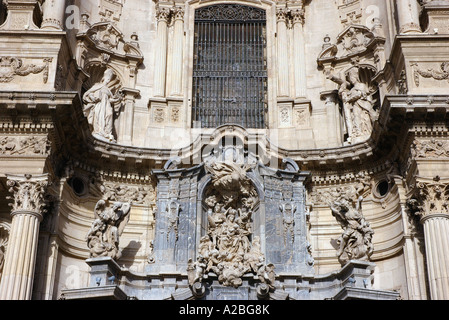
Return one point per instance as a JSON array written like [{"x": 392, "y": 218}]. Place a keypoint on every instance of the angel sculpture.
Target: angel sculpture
[
  {"x": 356, "y": 241},
  {"x": 230, "y": 180},
  {"x": 100, "y": 106},
  {"x": 103, "y": 236}
]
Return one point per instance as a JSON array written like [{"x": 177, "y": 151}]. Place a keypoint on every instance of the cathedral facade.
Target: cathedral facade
[{"x": 218, "y": 149}]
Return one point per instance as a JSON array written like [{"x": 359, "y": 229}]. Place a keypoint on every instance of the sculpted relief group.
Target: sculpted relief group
[{"x": 218, "y": 150}]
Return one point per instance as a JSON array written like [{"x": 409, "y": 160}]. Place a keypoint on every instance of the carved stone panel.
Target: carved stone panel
[{"x": 286, "y": 222}]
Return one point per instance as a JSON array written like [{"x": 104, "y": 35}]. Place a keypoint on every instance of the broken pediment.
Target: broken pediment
[{"x": 355, "y": 40}]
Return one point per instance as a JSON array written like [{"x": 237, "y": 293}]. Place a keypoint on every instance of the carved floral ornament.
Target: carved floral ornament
[
  {"x": 28, "y": 193},
  {"x": 11, "y": 67},
  {"x": 430, "y": 73},
  {"x": 428, "y": 197}
]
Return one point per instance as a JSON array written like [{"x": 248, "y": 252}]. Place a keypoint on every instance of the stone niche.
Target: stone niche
[{"x": 231, "y": 223}]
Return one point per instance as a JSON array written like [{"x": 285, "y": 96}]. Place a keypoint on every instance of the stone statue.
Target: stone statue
[
  {"x": 103, "y": 236},
  {"x": 100, "y": 106},
  {"x": 229, "y": 249},
  {"x": 358, "y": 105},
  {"x": 356, "y": 241}
]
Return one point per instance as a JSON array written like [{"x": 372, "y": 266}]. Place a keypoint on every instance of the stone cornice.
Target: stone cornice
[{"x": 62, "y": 110}]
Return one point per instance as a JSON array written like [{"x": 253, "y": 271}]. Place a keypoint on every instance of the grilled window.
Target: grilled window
[{"x": 229, "y": 75}]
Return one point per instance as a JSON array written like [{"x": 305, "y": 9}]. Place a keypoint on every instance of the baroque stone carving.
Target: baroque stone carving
[
  {"x": 229, "y": 250},
  {"x": 428, "y": 196},
  {"x": 358, "y": 103},
  {"x": 362, "y": 187},
  {"x": 29, "y": 193},
  {"x": 356, "y": 241},
  {"x": 442, "y": 74},
  {"x": 101, "y": 103},
  {"x": 31, "y": 145},
  {"x": 137, "y": 195},
  {"x": 173, "y": 209},
  {"x": 10, "y": 67},
  {"x": 106, "y": 35},
  {"x": 429, "y": 149},
  {"x": 103, "y": 236},
  {"x": 110, "y": 10},
  {"x": 288, "y": 210}
]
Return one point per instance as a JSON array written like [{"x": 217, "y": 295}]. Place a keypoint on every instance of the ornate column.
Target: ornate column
[
  {"x": 408, "y": 14},
  {"x": 299, "y": 53},
  {"x": 53, "y": 15},
  {"x": 429, "y": 200},
  {"x": 177, "y": 56},
  {"x": 160, "y": 68},
  {"x": 27, "y": 213},
  {"x": 282, "y": 52}
]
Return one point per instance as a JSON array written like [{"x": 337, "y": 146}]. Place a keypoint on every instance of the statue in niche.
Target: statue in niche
[
  {"x": 101, "y": 104},
  {"x": 356, "y": 241},
  {"x": 228, "y": 249},
  {"x": 358, "y": 104},
  {"x": 103, "y": 236},
  {"x": 172, "y": 211},
  {"x": 288, "y": 210}
]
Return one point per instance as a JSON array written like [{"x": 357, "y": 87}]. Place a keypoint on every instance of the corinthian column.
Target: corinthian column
[
  {"x": 282, "y": 52},
  {"x": 53, "y": 15},
  {"x": 177, "y": 57},
  {"x": 429, "y": 201},
  {"x": 408, "y": 14},
  {"x": 299, "y": 53},
  {"x": 160, "y": 68},
  {"x": 27, "y": 213}
]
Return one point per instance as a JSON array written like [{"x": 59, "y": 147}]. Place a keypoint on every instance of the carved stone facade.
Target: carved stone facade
[{"x": 113, "y": 183}]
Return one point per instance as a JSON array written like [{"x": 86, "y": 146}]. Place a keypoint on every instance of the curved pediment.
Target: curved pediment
[{"x": 355, "y": 40}]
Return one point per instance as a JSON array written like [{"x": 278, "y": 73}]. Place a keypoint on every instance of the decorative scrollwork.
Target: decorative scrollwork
[{"x": 227, "y": 12}]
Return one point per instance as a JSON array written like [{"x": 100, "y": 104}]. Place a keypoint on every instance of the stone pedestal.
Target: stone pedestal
[
  {"x": 20, "y": 15},
  {"x": 438, "y": 17}
]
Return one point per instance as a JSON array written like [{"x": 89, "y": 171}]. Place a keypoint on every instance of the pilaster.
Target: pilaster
[{"x": 160, "y": 68}]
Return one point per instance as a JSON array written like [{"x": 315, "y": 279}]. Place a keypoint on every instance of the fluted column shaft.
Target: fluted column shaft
[
  {"x": 177, "y": 57},
  {"x": 428, "y": 201},
  {"x": 408, "y": 14},
  {"x": 282, "y": 53},
  {"x": 53, "y": 18},
  {"x": 160, "y": 67},
  {"x": 299, "y": 53},
  {"x": 436, "y": 233},
  {"x": 20, "y": 258}
]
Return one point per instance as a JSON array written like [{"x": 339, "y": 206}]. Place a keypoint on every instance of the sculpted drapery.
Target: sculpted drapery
[{"x": 100, "y": 106}]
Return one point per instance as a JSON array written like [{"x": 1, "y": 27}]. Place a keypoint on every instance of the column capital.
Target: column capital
[
  {"x": 298, "y": 15},
  {"x": 178, "y": 13},
  {"x": 163, "y": 14},
  {"x": 28, "y": 193},
  {"x": 429, "y": 197}
]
